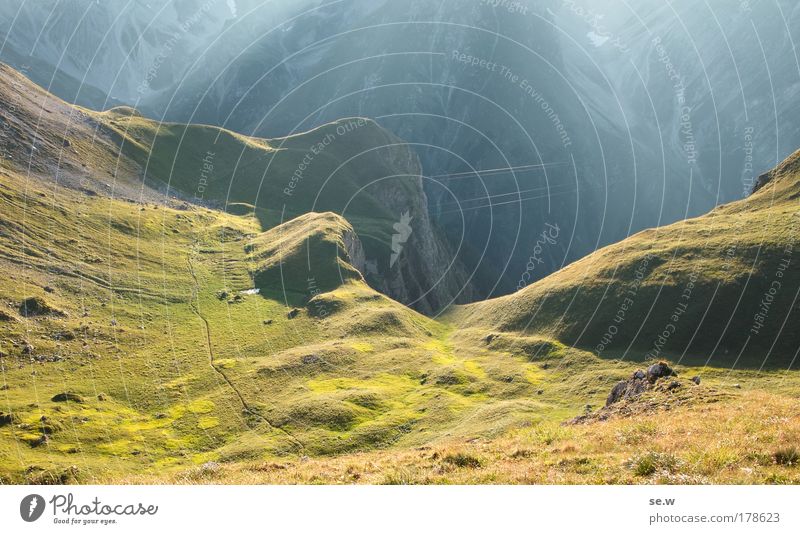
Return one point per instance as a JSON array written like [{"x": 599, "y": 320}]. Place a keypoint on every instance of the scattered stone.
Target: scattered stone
[
  {"x": 37, "y": 442},
  {"x": 294, "y": 313},
  {"x": 6, "y": 317},
  {"x": 48, "y": 289},
  {"x": 664, "y": 395},
  {"x": 696, "y": 380},
  {"x": 268, "y": 322},
  {"x": 642, "y": 381},
  {"x": 540, "y": 392},
  {"x": 161, "y": 416},
  {"x": 311, "y": 359},
  {"x": 737, "y": 386},
  {"x": 7, "y": 419},
  {"x": 36, "y": 307},
  {"x": 659, "y": 370},
  {"x": 63, "y": 336},
  {"x": 490, "y": 338},
  {"x": 28, "y": 349},
  {"x": 628, "y": 389},
  {"x": 222, "y": 294},
  {"x": 47, "y": 358},
  {"x": 102, "y": 397},
  {"x": 68, "y": 397},
  {"x": 49, "y": 426}
]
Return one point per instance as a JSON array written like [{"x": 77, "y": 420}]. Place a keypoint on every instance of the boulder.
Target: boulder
[
  {"x": 7, "y": 419},
  {"x": 627, "y": 389},
  {"x": 659, "y": 370},
  {"x": 36, "y": 307},
  {"x": 68, "y": 397},
  {"x": 63, "y": 336}
]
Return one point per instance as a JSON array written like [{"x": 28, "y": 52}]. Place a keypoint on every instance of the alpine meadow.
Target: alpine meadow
[{"x": 374, "y": 242}]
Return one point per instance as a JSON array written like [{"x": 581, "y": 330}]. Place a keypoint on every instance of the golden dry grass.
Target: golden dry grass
[{"x": 740, "y": 440}]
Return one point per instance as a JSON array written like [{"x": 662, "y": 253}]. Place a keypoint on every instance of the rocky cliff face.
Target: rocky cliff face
[
  {"x": 709, "y": 86},
  {"x": 645, "y": 114},
  {"x": 352, "y": 167},
  {"x": 420, "y": 269},
  {"x": 100, "y": 53},
  {"x": 651, "y": 113}
]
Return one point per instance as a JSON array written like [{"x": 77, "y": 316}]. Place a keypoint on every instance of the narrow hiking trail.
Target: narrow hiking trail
[{"x": 194, "y": 303}]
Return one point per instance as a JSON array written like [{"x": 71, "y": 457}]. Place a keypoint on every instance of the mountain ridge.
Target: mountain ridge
[
  {"x": 147, "y": 338},
  {"x": 351, "y": 166},
  {"x": 734, "y": 258}
]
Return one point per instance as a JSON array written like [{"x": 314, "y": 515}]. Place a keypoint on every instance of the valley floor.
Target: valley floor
[
  {"x": 152, "y": 362},
  {"x": 749, "y": 438},
  {"x": 156, "y": 341}
]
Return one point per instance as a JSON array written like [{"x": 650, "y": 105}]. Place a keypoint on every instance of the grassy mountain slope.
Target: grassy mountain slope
[
  {"x": 134, "y": 347},
  {"x": 132, "y": 341},
  {"x": 176, "y": 372},
  {"x": 351, "y": 167},
  {"x": 722, "y": 287},
  {"x": 317, "y": 250},
  {"x": 148, "y": 353}
]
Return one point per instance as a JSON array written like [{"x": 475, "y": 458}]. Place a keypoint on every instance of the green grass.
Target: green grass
[
  {"x": 182, "y": 373},
  {"x": 703, "y": 280},
  {"x": 309, "y": 253},
  {"x": 187, "y": 377},
  {"x": 341, "y": 170}
]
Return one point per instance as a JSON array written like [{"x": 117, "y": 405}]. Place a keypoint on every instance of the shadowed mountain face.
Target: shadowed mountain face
[
  {"x": 144, "y": 337},
  {"x": 141, "y": 330},
  {"x": 352, "y": 167},
  {"x": 644, "y": 114},
  {"x": 724, "y": 285}
]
